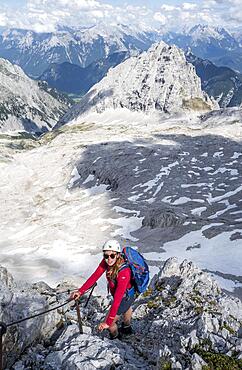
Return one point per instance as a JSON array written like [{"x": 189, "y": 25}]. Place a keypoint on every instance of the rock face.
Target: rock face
[
  {"x": 26, "y": 105},
  {"x": 190, "y": 317},
  {"x": 18, "y": 301},
  {"x": 182, "y": 322},
  {"x": 92, "y": 352},
  {"x": 159, "y": 80}
]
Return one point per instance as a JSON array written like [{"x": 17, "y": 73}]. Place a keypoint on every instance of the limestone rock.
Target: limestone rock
[
  {"x": 183, "y": 315},
  {"x": 159, "y": 80},
  {"x": 18, "y": 301}
]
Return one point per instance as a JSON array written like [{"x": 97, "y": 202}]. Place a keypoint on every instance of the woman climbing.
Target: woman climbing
[{"x": 118, "y": 275}]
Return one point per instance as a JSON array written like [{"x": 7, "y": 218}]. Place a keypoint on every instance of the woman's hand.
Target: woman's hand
[
  {"x": 75, "y": 295},
  {"x": 103, "y": 326}
]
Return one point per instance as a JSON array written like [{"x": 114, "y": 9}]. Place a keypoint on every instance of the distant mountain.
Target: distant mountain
[
  {"x": 34, "y": 52},
  {"x": 26, "y": 104},
  {"x": 213, "y": 43},
  {"x": 65, "y": 77},
  {"x": 222, "y": 83},
  {"x": 159, "y": 80},
  {"x": 70, "y": 78}
]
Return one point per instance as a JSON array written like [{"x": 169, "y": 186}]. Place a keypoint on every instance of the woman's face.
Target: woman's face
[{"x": 110, "y": 257}]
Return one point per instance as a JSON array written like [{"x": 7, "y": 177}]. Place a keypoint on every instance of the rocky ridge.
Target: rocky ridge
[
  {"x": 157, "y": 81},
  {"x": 183, "y": 321},
  {"x": 26, "y": 104}
]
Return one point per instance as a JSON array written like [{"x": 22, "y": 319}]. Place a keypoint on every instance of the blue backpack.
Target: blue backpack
[{"x": 139, "y": 270}]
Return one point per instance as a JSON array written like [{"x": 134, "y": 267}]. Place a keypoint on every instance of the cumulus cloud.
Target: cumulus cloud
[
  {"x": 3, "y": 19},
  {"x": 45, "y": 15},
  {"x": 189, "y": 6},
  {"x": 226, "y": 13},
  {"x": 168, "y": 8},
  {"x": 234, "y": 15},
  {"x": 160, "y": 18},
  {"x": 75, "y": 12}
]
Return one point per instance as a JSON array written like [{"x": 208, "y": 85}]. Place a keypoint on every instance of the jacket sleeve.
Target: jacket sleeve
[
  {"x": 123, "y": 280},
  {"x": 93, "y": 278}
]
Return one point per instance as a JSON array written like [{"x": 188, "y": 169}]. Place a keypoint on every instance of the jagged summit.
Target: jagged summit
[
  {"x": 159, "y": 80},
  {"x": 201, "y": 31},
  {"x": 112, "y": 30}
]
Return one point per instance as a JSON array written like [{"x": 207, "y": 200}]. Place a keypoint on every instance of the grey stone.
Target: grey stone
[
  {"x": 167, "y": 332},
  {"x": 197, "y": 362}
]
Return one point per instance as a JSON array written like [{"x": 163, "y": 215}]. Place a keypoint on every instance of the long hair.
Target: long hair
[{"x": 113, "y": 270}]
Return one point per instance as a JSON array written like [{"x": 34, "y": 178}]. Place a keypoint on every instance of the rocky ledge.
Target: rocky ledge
[{"x": 184, "y": 321}]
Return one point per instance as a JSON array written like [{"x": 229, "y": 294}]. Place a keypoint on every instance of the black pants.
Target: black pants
[{"x": 125, "y": 304}]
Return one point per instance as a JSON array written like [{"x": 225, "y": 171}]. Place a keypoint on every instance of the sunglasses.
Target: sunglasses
[{"x": 112, "y": 256}]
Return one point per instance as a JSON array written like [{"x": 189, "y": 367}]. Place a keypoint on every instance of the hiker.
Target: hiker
[{"x": 118, "y": 275}]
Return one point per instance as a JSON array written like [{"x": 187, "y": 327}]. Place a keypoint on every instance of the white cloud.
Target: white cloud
[
  {"x": 189, "y": 6},
  {"x": 3, "y": 19},
  {"x": 160, "y": 18},
  {"x": 44, "y": 15},
  {"x": 168, "y": 8}
]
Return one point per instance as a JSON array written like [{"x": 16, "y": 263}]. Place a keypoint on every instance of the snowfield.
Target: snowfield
[{"x": 147, "y": 183}]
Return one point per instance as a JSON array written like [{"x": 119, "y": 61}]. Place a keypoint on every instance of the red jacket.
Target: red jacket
[{"x": 118, "y": 289}]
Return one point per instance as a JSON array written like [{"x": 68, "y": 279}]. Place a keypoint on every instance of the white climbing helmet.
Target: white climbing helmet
[{"x": 112, "y": 245}]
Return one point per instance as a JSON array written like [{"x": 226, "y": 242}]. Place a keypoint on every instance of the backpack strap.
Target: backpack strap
[
  {"x": 131, "y": 291},
  {"x": 123, "y": 266}
]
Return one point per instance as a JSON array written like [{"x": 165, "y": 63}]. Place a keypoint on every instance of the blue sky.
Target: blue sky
[
  {"x": 44, "y": 15},
  {"x": 15, "y": 3}
]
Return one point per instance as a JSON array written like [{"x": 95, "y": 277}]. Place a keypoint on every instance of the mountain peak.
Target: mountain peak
[
  {"x": 201, "y": 31},
  {"x": 157, "y": 81}
]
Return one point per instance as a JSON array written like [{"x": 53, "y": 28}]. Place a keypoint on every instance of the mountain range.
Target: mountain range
[
  {"x": 34, "y": 52},
  {"x": 157, "y": 81},
  {"x": 213, "y": 43},
  {"x": 156, "y": 85},
  {"x": 55, "y": 57}
]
